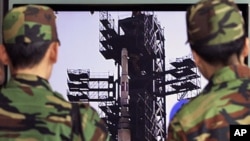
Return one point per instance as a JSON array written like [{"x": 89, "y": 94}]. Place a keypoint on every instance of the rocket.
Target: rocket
[{"x": 124, "y": 121}]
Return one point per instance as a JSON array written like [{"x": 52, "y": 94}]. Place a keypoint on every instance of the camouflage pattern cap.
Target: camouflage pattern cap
[
  {"x": 30, "y": 23},
  {"x": 214, "y": 22}
]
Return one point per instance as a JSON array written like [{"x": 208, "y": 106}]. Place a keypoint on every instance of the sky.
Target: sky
[{"x": 79, "y": 37}]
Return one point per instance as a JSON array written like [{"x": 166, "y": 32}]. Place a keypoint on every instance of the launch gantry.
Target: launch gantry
[
  {"x": 133, "y": 105},
  {"x": 142, "y": 36}
]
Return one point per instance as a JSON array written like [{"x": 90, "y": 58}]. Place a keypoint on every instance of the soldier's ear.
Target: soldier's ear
[
  {"x": 196, "y": 57},
  {"x": 53, "y": 52},
  {"x": 246, "y": 48},
  {"x": 4, "y": 58},
  {"x": 244, "y": 52}
]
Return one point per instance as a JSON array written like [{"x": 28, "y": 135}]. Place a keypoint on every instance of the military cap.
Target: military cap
[
  {"x": 28, "y": 24},
  {"x": 214, "y": 22}
]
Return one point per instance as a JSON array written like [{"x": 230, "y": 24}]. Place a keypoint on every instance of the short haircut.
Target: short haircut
[
  {"x": 26, "y": 55},
  {"x": 214, "y": 54}
]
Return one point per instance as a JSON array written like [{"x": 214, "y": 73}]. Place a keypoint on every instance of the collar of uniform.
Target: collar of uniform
[
  {"x": 225, "y": 75},
  {"x": 29, "y": 80},
  {"x": 230, "y": 73}
]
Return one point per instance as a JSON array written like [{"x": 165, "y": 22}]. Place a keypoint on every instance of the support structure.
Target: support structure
[
  {"x": 183, "y": 78},
  {"x": 84, "y": 88},
  {"x": 133, "y": 105},
  {"x": 143, "y": 38}
]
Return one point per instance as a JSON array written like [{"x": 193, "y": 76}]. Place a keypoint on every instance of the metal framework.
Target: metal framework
[
  {"x": 143, "y": 115},
  {"x": 143, "y": 37},
  {"x": 84, "y": 88},
  {"x": 183, "y": 78}
]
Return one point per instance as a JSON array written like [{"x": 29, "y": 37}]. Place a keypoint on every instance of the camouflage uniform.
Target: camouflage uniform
[
  {"x": 29, "y": 109},
  {"x": 225, "y": 99}
]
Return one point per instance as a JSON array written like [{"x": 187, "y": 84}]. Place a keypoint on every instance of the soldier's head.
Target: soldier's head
[
  {"x": 28, "y": 33},
  {"x": 216, "y": 32}
]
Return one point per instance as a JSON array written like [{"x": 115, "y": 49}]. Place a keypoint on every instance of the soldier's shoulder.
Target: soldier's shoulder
[
  {"x": 90, "y": 113},
  {"x": 198, "y": 105},
  {"x": 86, "y": 108}
]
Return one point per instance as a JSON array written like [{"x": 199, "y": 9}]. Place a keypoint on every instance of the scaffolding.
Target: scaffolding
[
  {"x": 183, "y": 78},
  {"x": 148, "y": 84},
  {"x": 143, "y": 37},
  {"x": 84, "y": 88}
]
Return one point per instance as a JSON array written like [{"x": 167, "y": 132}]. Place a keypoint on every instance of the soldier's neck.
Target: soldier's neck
[{"x": 39, "y": 70}]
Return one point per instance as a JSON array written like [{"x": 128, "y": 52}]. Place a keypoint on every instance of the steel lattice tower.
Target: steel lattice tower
[
  {"x": 140, "y": 114},
  {"x": 144, "y": 39}
]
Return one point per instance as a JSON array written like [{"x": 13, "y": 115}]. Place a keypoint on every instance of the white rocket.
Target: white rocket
[{"x": 124, "y": 121}]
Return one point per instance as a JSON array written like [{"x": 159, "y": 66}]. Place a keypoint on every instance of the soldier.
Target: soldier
[
  {"x": 218, "y": 40},
  {"x": 30, "y": 109}
]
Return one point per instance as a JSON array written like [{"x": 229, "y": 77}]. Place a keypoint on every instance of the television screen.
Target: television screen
[{"x": 79, "y": 33}]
